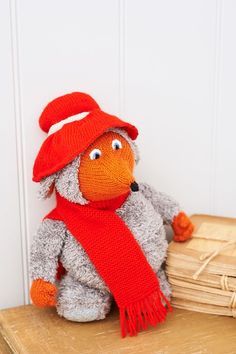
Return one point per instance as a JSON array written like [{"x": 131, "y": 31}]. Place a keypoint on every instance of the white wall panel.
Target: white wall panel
[
  {"x": 11, "y": 275},
  {"x": 166, "y": 66},
  {"x": 65, "y": 46},
  {"x": 225, "y": 147},
  {"x": 169, "y": 83}
]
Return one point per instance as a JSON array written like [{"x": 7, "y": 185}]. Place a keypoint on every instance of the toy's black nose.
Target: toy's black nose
[{"x": 134, "y": 187}]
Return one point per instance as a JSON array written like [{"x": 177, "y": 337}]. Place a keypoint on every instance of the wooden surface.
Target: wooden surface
[
  {"x": 4, "y": 348},
  {"x": 29, "y": 330}
]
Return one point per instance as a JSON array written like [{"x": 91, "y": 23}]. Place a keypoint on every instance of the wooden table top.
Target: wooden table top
[{"x": 30, "y": 330}]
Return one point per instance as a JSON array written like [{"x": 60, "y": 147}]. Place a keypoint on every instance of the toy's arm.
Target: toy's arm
[
  {"x": 170, "y": 212},
  {"x": 167, "y": 207},
  {"x": 45, "y": 249}
]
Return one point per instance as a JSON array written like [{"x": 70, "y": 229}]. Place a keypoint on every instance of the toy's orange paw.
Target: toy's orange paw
[
  {"x": 183, "y": 227},
  {"x": 43, "y": 293}
]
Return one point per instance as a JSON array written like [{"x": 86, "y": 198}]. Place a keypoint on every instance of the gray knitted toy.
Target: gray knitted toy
[{"x": 94, "y": 169}]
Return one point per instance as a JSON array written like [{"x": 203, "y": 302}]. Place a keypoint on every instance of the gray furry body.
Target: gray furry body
[{"x": 82, "y": 293}]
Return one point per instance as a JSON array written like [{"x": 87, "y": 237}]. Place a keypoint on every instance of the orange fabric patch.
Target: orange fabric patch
[
  {"x": 183, "y": 227},
  {"x": 111, "y": 174},
  {"x": 43, "y": 293}
]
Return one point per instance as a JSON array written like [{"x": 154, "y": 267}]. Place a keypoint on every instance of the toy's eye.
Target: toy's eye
[
  {"x": 116, "y": 144},
  {"x": 95, "y": 154}
]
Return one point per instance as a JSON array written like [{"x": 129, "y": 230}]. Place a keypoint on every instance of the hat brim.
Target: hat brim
[{"x": 72, "y": 139}]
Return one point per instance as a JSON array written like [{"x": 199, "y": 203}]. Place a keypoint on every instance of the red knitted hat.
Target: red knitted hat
[{"x": 73, "y": 122}]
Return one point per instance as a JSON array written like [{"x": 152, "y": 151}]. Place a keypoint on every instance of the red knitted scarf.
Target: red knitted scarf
[{"x": 118, "y": 258}]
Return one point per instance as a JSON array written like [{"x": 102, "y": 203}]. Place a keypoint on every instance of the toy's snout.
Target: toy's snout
[
  {"x": 106, "y": 168},
  {"x": 117, "y": 171}
]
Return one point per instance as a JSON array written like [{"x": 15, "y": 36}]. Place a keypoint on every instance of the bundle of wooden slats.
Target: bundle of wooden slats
[{"x": 202, "y": 271}]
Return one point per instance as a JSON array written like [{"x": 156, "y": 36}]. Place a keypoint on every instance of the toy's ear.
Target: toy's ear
[
  {"x": 46, "y": 186},
  {"x": 135, "y": 151}
]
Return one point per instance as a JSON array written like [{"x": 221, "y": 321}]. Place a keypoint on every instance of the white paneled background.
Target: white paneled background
[{"x": 166, "y": 66}]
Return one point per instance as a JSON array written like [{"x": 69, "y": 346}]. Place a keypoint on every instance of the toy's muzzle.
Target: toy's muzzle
[{"x": 134, "y": 187}]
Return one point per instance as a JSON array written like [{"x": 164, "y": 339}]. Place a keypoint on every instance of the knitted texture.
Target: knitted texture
[
  {"x": 64, "y": 107},
  {"x": 110, "y": 242},
  {"x": 61, "y": 147},
  {"x": 43, "y": 293},
  {"x": 143, "y": 215},
  {"x": 183, "y": 227},
  {"x": 72, "y": 190},
  {"x": 112, "y": 173},
  {"x": 118, "y": 258}
]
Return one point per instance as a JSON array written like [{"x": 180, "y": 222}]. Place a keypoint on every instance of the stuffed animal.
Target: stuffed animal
[{"x": 107, "y": 231}]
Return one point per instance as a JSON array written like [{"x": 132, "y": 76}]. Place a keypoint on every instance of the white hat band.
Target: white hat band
[{"x": 57, "y": 126}]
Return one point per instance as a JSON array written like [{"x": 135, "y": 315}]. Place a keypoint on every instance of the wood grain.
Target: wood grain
[
  {"x": 4, "y": 348},
  {"x": 30, "y": 330}
]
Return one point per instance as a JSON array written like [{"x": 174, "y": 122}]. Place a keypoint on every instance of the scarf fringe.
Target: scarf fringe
[{"x": 137, "y": 316}]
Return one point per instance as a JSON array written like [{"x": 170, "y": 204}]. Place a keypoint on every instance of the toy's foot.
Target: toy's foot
[
  {"x": 79, "y": 303},
  {"x": 83, "y": 315}
]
